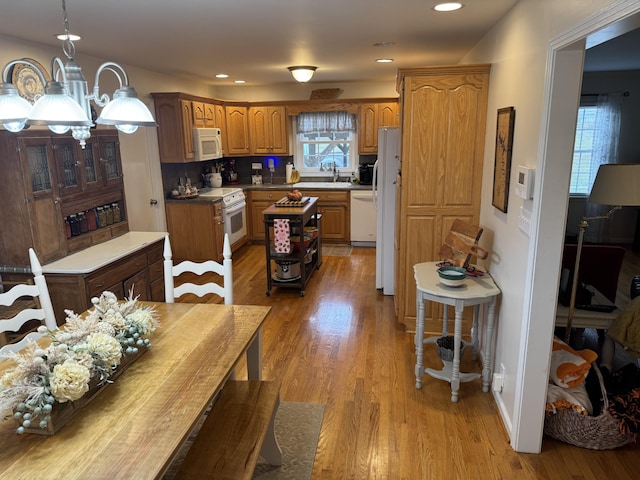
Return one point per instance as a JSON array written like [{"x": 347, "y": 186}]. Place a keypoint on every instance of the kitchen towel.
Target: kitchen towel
[{"x": 281, "y": 235}]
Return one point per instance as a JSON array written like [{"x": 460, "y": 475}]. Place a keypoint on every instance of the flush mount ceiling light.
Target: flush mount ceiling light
[
  {"x": 302, "y": 73},
  {"x": 66, "y": 103},
  {"x": 222, "y": 75},
  {"x": 448, "y": 7},
  {"x": 384, "y": 60}
]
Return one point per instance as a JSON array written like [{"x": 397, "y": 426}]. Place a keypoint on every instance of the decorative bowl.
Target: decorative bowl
[{"x": 452, "y": 276}]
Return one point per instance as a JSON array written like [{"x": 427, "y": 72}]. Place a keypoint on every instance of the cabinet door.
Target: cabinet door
[
  {"x": 209, "y": 115},
  {"x": 237, "y": 130},
  {"x": 334, "y": 222},
  {"x": 259, "y": 129},
  {"x": 110, "y": 159},
  {"x": 221, "y": 123},
  {"x": 41, "y": 194},
  {"x": 278, "y": 130},
  {"x": 218, "y": 231},
  {"x": 372, "y": 117},
  {"x": 368, "y": 128},
  {"x": 186, "y": 120},
  {"x": 91, "y": 172},
  {"x": 139, "y": 284},
  {"x": 68, "y": 165},
  {"x": 388, "y": 115},
  {"x": 192, "y": 231},
  {"x": 198, "y": 112}
]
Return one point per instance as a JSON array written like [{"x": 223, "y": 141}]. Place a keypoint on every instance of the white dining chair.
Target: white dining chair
[
  {"x": 172, "y": 271},
  {"x": 39, "y": 293}
]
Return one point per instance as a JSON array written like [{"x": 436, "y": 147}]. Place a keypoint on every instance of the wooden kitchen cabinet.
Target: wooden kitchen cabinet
[
  {"x": 177, "y": 115},
  {"x": 141, "y": 270},
  {"x": 333, "y": 205},
  {"x": 48, "y": 177},
  {"x": 268, "y": 130},
  {"x": 443, "y": 129},
  {"x": 372, "y": 116},
  {"x": 257, "y": 202},
  {"x": 196, "y": 230},
  {"x": 237, "y": 123},
  {"x": 335, "y": 208}
]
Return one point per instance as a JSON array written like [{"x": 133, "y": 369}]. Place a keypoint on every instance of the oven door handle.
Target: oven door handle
[{"x": 235, "y": 208}]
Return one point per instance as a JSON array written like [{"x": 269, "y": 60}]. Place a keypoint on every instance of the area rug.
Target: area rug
[
  {"x": 331, "y": 250},
  {"x": 297, "y": 429}
]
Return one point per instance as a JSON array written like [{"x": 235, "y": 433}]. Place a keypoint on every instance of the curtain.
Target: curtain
[
  {"x": 605, "y": 151},
  {"x": 311, "y": 122}
]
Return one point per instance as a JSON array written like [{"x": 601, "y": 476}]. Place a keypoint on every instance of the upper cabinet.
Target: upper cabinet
[
  {"x": 268, "y": 130},
  {"x": 256, "y": 129},
  {"x": 237, "y": 123},
  {"x": 177, "y": 115},
  {"x": 373, "y": 116},
  {"x": 48, "y": 177}
]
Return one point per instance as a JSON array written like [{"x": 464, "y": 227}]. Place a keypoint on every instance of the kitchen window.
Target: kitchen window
[{"x": 325, "y": 139}]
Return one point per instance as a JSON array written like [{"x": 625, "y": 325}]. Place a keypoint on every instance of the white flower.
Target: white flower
[
  {"x": 69, "y": 381},
  {"x": 106, "y": 348},
  {"x": 144, "y": 320}
]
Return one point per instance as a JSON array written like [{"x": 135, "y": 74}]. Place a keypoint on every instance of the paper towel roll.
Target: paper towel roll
[{"x": 289, "y": 169}]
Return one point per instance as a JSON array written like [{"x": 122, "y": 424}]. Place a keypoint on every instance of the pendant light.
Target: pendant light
[{"x": 66, "y": 103}]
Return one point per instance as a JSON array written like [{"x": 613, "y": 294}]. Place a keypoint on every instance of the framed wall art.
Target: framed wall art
[{"x": 502, "y": 167}]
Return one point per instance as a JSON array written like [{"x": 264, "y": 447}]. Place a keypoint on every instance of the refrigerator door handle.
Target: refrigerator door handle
[{"x": 374, "y": 184}]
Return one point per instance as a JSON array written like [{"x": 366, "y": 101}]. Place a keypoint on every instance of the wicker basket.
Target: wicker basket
[{"x": 597, "y": 433}]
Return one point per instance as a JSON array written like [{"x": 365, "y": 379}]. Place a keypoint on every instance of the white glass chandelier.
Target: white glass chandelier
[{"x": 66, "y": 103}]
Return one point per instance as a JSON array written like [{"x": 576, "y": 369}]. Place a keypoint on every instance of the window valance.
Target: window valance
[{"x": 339, "y": 121}]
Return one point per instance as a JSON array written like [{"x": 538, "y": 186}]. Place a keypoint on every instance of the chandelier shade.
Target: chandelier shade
[
  {"x": 302, "y": 73},
  {"x": 66, "y": 103}
]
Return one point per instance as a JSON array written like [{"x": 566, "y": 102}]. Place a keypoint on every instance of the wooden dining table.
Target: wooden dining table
[{"x": 136, "y": 425}]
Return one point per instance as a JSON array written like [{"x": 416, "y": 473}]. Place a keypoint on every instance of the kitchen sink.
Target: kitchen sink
[{"x": 322, "y": 185}]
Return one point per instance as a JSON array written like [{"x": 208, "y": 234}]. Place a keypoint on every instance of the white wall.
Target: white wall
[{"x": 526, "y": 268}]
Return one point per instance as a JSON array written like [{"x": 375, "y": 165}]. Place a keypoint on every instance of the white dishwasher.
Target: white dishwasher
[{"x": 363, "y": 218}]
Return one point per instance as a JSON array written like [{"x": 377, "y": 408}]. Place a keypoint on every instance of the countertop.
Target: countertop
[
  {"x": 97, "y": 256},
  {"x": 274, "y": 186}
]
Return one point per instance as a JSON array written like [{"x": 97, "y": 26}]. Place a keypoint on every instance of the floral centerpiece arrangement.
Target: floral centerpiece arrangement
[{"x": 83, "y": 355}]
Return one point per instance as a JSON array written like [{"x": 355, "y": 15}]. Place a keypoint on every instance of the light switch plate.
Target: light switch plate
[{"x": 524, "y": 220}]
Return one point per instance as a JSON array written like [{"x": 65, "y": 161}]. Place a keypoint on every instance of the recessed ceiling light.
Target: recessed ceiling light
[
  {"x": 222, "y": 75},
  {"x": 384, "y": 60},
  {"x": 72, "y": 37},
  {"x": 383, "y": 44},
  {"x": 448, "y": 7},
  {"x": 239, "y": 81}
]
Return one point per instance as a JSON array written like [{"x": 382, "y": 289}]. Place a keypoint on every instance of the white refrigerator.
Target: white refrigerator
[{"x": 385, "y": 172}]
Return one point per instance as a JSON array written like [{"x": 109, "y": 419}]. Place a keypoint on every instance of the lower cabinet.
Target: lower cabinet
[
  {"x": 196, "y": 230},
  {"x": 258, "y": 201},
  {"x": 333, "y": 205},
  {"x": 335, "y": 208},
  {"x": 140, "y": 273}
]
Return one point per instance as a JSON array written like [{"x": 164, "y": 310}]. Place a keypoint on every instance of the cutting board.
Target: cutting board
[{"x": 461, "y": 244}]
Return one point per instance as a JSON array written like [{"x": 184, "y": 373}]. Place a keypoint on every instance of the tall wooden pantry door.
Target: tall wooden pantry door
[{"x": 443, "y": 111}]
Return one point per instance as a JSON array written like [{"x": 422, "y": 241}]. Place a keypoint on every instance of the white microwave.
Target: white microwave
[{"x": 207, "y": 143}]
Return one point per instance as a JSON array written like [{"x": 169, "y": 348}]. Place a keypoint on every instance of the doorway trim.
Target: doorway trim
[{"x": 565, "y": 56}]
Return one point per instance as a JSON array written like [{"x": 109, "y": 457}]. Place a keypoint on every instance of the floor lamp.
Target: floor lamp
[{"x": 616, "y": 184}]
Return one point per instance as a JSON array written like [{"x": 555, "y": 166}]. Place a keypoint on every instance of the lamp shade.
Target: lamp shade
[
  {"x": 617, "y": 184},
  {"x": 302, "y": 73},
  {"x": 55, "y": 108}
]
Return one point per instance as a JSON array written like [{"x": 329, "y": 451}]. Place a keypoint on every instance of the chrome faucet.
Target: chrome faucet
[{"x": 336, "y": 172}]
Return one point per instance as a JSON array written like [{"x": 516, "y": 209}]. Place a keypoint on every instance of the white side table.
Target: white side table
[{"x": 475, "y": 292}]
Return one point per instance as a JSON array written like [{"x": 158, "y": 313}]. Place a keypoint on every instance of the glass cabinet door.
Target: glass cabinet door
[
  {"x": 110, "y": 158},
  {"x": 92, "y": 175},
  {"x": 67, "y": 164},
  {"x": 37, "y": 155}
]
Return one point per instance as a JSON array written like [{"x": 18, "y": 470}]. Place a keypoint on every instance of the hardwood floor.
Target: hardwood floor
[{"x": 340, "y": 345}]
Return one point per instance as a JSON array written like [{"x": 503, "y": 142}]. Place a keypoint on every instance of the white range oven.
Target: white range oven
[{"x": 234, "y": 211}]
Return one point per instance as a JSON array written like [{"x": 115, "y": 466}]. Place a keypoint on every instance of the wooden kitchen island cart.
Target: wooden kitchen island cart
[{"x": 307, "y": 255}]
